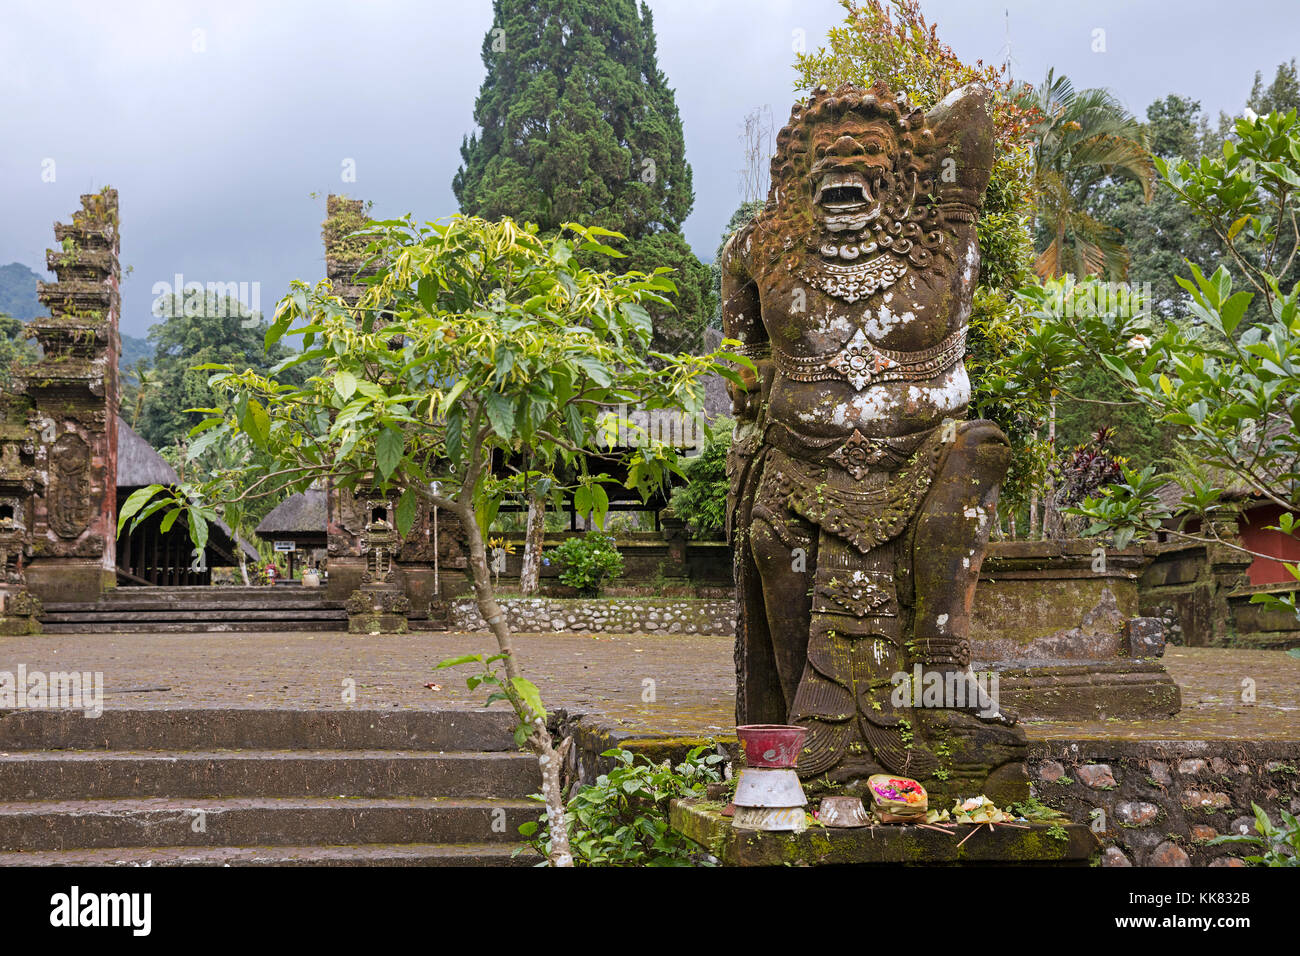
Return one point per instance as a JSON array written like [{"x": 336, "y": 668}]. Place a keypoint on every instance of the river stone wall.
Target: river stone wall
[
  {"x": 604, "y": 615},
  {"x": 1159, "y": 803}
]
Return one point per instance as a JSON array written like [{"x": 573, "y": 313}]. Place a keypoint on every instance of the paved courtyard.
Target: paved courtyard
[{"x": 670, "y": 684}]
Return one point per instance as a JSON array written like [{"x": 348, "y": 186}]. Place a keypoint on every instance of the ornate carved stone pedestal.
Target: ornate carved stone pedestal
[{"x": 380, "y": 604}]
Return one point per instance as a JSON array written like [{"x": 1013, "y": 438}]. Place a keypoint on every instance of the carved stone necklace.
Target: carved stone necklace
[{"x": 853, "y": 280}]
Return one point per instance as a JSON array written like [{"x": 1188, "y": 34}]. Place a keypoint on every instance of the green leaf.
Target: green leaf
[
  {"x": 457, "y": 661},
  {"x": 406, "y": 512},
  {"x": 501, "y": 414},
  {"x": 134, "y": 502},
  {"x": 257, "y": 423},
  {"x": 345, "y": 384},
  {"x": 388, "y": 451},
  {"x": 530, "y": 695}
]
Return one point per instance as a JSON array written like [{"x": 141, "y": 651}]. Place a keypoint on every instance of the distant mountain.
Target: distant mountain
[
  {"x": 18, "y": 292},
  {"x": 134, "y": 349},
  {"x": 18, "y": 299}
]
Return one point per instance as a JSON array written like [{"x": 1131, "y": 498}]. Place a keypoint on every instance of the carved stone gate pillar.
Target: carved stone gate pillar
[{"x": 73, "y": 391}]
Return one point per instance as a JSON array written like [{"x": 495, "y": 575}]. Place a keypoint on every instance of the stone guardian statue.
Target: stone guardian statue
[{"x": 861, "y": 500}]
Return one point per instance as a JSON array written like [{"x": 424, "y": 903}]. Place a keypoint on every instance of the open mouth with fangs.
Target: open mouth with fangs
[{"x": 845, "y": 200}]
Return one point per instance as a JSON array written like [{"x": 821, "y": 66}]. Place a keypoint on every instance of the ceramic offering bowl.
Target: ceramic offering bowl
[{"x": 771, "y": 745}]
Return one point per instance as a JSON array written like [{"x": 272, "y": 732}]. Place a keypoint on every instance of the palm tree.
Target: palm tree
[{"x": 1081, "y": 139}]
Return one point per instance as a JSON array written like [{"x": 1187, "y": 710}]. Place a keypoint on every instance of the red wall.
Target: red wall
[{"x": 1255, "y": 537}]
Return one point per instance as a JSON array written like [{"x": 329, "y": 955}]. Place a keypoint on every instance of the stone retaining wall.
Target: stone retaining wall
[
  {"x": 1161, "y": 801},
  {"x": 604, "y": 615}
]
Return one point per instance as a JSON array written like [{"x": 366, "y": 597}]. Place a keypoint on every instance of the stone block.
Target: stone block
[{"x": 1098, "y": 776}]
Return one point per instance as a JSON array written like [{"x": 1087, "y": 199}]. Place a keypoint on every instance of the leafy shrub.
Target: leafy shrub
[
  {"x": 622, "y": 820},
  {"x": 1281, "y": 844},
  {"x": 589, "y": 561},
  {"x": 703, "y": 502}
]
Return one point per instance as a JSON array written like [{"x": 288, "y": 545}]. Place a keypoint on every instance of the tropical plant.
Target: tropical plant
[
  {"x": 1081, "y": 139},
  {"x": 472, "y": 343},
  {"x": 702, "y": 501},
  {"x": 589, "y": 561},
  {"x": 1231, "y": 391},
  {"x": 1280, "y": 843},
  {"x": 622, "y": 820}
]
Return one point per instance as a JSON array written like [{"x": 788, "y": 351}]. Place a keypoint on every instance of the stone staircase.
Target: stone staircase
[
  {"x": 270, "y": 787},
  {"x": 126, "y": 610}
]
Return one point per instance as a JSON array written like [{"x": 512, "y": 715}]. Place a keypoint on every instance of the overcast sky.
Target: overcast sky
[{"x": 217, "y": 139}]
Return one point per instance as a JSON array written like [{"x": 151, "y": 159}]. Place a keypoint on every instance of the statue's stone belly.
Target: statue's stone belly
[{"x": 832, "y": 409}]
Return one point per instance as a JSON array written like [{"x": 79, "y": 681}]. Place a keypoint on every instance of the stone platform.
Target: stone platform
[{"x": 985, "y": 844}]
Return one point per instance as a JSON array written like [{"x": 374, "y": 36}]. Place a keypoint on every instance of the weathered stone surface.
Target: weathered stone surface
[
  {"x": 1050, "y": 771},
  {"x": 860, "y": 503},
  {"x": 1096, "y": 776},
  {"x": 1168, "y": 854},
  {"x": 1185, "y": 818},
  {"x": 1113, "y": 856},
  {"x": 1144, "y": 637},
  {"x": 704, "y": 823},
  {"x": 1242, "y": 825},
  {"x": 604, "y": 615},
  {"x": 1193, "y": 767},
  {"x": 1137, "y": 814},
  {"x": 1206, "y": 799},
  {"x": 1079, "y": 690},
  {"x": 1228, "y": 861}
]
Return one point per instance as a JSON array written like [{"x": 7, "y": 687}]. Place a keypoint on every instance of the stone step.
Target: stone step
[
  {"x": 378, "y": 854},
  {"x": 88, "y": 775},
  {"x": 189, "y": 614},
  {"x": 196, "y": 626},
  {"x": 220, "y": 594},
  {"x": 184, "y": 607},
  {"x": 259, "y": 822},
  {"x": 239, "y": 728}
]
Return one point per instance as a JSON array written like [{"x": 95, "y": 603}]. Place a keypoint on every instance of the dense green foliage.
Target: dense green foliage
[
  {"x": 622, "y": 820},
  {"x": 1231, "y": 390},
  {"x": 16, "y": 350},
  {"x": 702, "y": 502},
  {"x": 212, "y": 331},
  {"x": 577, "y": 123},
  {"x": 589, "y": 561}
]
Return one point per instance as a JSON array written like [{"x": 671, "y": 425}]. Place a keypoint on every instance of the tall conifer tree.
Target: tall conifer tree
[{"x": 577, "y": 123}]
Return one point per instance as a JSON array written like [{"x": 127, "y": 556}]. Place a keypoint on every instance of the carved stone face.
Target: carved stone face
[
  {"x": 851, "y": 179},
  {"x": 851, "y": 172}
]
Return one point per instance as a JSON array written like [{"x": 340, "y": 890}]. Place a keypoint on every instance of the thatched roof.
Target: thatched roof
[
  {"x": 300, "y": 514},
  {"x": 137, "y": 462}
]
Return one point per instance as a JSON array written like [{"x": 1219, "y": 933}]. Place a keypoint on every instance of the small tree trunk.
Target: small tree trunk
[
  {"x": 539, "y": 740},
  {"x": 1051, "y": 510},
  {"x": 531, "y": 572}
]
